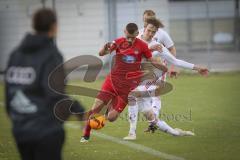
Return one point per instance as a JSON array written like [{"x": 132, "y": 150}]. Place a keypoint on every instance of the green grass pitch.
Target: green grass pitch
[{"x": 208, "y": 106}]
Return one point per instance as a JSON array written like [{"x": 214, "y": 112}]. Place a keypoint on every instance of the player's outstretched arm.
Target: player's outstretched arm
[
  {"x": 181, "y": 63},
  {"x": 165, "y": 54}
]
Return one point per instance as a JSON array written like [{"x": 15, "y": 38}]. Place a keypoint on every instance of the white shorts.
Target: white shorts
[{"x": 144, "y": 104}]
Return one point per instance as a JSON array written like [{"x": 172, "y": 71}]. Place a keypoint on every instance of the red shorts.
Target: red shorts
[{"x": 117, "y": 96}]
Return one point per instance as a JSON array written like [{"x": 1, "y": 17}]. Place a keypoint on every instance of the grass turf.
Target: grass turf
[{"x": 209, "y": 106}]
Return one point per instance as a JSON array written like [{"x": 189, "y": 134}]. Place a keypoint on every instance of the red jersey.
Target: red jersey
[
  {"x": 125, "y": 74},
  {"x": 127, "y": 68}
]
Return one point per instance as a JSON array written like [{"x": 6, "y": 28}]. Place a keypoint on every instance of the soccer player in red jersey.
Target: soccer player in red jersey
[{"x": 125, "y": 74}]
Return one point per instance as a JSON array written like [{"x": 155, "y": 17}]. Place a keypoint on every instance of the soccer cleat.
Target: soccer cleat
[
  {"x": 151, "y": 128},
  {"x": 84, "y": 139},
  {"x": 130, "y": 137},
  {"x": 184, "y": 133}
]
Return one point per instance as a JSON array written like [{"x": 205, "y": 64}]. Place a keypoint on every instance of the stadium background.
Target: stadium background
[{"x": 201, "y": 29}]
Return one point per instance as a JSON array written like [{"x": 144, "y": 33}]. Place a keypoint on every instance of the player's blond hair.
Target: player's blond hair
[{"x": 155, "y": 22}]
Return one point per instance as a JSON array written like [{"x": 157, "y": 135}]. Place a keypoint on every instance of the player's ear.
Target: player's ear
[{"x": 136, "y": 33}]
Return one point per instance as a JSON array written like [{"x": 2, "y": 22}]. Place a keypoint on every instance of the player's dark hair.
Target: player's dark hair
[
  {"x": 155, "y": 22},
  {"x": 43, "y": 19},
  {"x": 149, "y": 12},
  {"x": 131, "y": 28}
]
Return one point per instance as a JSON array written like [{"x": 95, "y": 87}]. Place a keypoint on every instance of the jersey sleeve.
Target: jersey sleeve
[
  {"x": 166, "y": 40},
  {"x": 115, "y": 44}
]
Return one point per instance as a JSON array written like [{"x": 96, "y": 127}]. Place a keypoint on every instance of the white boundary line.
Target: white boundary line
[{"x": 132, "y": 145}]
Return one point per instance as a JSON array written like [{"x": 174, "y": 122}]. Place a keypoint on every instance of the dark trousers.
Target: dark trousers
[{"x": 48, "y": 148}]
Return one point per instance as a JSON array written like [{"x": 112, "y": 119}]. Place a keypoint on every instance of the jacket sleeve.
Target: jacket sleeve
[{"x": 52, "y": 77}]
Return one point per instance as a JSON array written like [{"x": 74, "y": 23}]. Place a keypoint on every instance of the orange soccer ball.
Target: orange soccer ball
[{"x": 97, "y": 121}]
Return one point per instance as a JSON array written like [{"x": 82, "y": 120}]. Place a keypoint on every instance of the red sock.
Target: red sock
[{"x": 87, "y": 130}]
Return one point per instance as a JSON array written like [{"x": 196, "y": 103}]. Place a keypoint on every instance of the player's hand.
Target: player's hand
[
  {"x": 156, "y": 47},
  {"x": 202, "y": 70},
  {"x": 173, "y": 73},
  {"x": 106, "y": 49},
  {"x": 107, "y": 46}
]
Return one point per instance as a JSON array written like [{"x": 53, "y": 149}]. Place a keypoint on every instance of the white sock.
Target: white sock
[
  {"x": 156, "y": 105},
  {"x": 162, "y": 125},
  {"x": 133, "y": 117}
]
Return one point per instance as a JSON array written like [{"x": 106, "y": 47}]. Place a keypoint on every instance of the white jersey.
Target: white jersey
[
  {"x": 162, "y": 37},
  {"x": 158, "y": 73}
]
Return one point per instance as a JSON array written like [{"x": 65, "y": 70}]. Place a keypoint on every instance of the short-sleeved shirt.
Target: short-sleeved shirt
[
  {"x": 125, "y": 74},
  {"x": 127, "y": 68}
]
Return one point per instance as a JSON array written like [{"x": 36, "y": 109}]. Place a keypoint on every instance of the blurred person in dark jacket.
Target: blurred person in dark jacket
[{"x": 32, "y": 97}]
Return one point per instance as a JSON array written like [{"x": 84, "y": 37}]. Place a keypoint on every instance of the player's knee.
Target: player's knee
[
  {"x": 112, "y": 119},
  {"x": 112, "y": 116}
]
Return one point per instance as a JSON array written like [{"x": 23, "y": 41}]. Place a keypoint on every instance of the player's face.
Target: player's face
[
  {"x": 149, "y": 32},
  {"x": 131, "y": 37}
]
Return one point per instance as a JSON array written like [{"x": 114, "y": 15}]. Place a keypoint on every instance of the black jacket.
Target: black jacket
[{"x": 29, "y": 99}]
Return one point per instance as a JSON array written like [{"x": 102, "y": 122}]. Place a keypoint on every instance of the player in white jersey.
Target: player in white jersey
[
  {"x": 161, "y": 36},
  {"x": 144, "y": 104}
]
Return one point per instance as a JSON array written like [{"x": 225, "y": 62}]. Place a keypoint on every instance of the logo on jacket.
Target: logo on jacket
[
  {"x": 22, "y": 104},
  {"x": 21, "y": 75}
]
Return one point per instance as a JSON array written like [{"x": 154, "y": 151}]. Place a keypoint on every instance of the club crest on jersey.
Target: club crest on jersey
[{"x": 129, "y": 59}]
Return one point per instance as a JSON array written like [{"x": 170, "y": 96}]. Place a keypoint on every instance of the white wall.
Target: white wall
[
  {"x": 198, "y": 9},
  {"x": 132, "y": 11},
  {"x": 82, "y": 26},
  {"x": 15, "y": 18}
]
